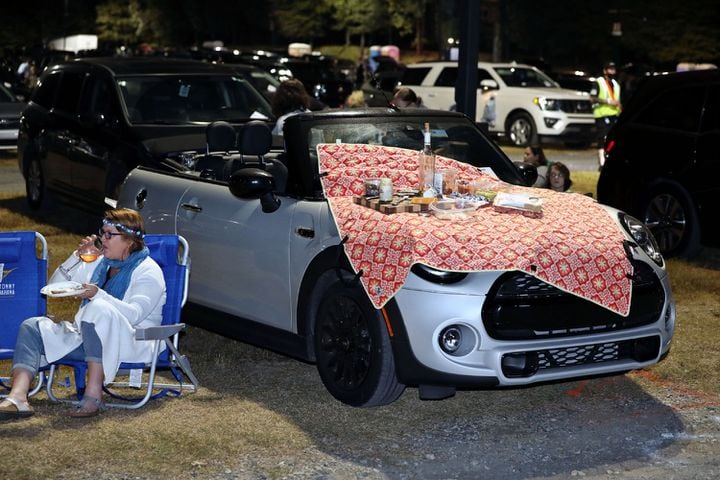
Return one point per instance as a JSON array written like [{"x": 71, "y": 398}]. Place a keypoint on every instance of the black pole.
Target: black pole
[{"x": 466, "y": 86}]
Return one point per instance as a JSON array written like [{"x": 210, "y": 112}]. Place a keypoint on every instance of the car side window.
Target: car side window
[
  {"x": 45, "y": 92},
  {"x": 447, "y": 77},
  {"x": 483, "y": 75},
  {"x": 711, "y": 114},
  {"x": 70, "y": 87},
  {"x": 677, "y": 109},
  {"x": 98, "y": 98},
  {"x": 415, "y": 76}
]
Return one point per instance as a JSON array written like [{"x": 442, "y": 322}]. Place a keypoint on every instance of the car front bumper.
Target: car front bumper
[{"x": 485, "y": 360}]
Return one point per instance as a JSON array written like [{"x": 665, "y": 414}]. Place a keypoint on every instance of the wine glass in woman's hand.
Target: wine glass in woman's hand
[{"x": 89, "y": 250}]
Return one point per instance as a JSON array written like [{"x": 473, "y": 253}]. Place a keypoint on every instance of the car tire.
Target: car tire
[
  {"x": 670, "y": 214},
  {"x": 521, "y": 130},
  {"x": 352, "y": 348},
  {"x": 35, "y": 188}
]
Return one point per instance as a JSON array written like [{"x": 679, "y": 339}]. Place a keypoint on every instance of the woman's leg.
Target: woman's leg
[
  {"x": 26, "y": 358},
  {"x": 92, "y": 354}
]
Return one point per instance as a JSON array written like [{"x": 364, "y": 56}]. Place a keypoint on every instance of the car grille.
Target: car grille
[
  {"x": 576, "y": 106},
  {"x": 522, "y": 307},
  {"x": 527, "y": 364},
  {"x": 8, "y": 124}
]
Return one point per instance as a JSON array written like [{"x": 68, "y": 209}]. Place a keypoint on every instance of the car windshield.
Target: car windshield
[
  {"x": 524, "y": 77},
  {"x": 177, "y": 100},
  {"x": 452, "y": 137},
  {"x": 6, "y": 96}
]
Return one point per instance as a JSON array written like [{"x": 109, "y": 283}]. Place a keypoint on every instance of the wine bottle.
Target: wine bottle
[{"x": 426, "y": 168}]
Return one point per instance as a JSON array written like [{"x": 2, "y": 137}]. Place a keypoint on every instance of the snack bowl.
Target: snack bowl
[{"x": 455, "y": 208}]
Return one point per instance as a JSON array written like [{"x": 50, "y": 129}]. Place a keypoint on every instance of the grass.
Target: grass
[{"x": 257, "y": 414}]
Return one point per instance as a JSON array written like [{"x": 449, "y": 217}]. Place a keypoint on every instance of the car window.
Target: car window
[
  {"x": 70, "y": 87},
  {"x": 524, "y": 77},
  {"x": 99, "y": 98},
  {"x": 483, "y": 75},
  {"x": 6, "y": 95},
  {"x": 414, "y": 76},
  {"x": 188, "y": 99},
  {"x": 45, "y": 92},
  {"x": 447, "y": 77},
  {"x": 677, "y": 109},
  {"x": 711, "y": 114},
  {"x": 451, "y": 137}
]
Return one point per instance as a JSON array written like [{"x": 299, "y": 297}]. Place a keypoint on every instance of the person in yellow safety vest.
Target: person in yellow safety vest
[{"x": 605, "y": 96}]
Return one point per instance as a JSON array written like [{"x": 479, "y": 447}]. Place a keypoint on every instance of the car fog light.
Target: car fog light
[
  {"x": 457, "y": 340},
  {"x": 450, "y": 339},
  {"x": 550, "y": 122}
]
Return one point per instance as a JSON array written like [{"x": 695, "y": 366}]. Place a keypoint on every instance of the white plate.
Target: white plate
[{"x": 62, "y": 289}]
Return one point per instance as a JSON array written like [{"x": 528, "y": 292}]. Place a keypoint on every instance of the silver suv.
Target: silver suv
[{"x": 517, "y": 101}]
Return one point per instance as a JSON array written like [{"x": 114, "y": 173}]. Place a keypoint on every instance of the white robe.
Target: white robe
[{"x": 115, "y": 320}]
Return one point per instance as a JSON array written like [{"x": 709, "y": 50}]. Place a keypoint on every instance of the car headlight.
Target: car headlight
[
  {"x": 642, "y": 236},
  {"x": 546, "y": 104},
  {"x": 437, "y": 276}
]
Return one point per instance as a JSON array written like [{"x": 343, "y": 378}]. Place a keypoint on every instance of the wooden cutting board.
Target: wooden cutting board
[{"x": 387, "y": 207}]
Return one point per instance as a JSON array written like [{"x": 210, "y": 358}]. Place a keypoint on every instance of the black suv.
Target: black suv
[
  {"x": 663, "y": 157},
  {"x": 91, "y": 121}
]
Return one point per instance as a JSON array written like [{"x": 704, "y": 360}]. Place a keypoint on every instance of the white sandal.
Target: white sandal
[{"x": 16, "y": 409}]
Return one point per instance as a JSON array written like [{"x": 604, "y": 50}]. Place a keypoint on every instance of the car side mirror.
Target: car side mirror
[
  {"x": 488, "y": 84},
  {"x": 255, "y": 183},
  {"x": 528, "y": 173}
]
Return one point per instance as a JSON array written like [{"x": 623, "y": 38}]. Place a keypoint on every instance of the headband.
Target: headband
[{"x": 123, "y": 228}]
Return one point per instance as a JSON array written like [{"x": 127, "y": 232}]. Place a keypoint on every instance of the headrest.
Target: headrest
[
  {"x": 221, "y": 137},
  {"x": 255, "y": 138}
]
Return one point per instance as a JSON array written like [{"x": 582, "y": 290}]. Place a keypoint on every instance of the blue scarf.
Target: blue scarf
[{"x": 118, "y": 284}]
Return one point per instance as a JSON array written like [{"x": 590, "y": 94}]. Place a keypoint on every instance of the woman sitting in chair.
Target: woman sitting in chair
[{"x": 123, "y": 289}]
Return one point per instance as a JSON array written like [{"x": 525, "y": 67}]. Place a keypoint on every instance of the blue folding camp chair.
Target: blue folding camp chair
[
  {"x": 22, "y": 274},
  {"x": 171, "y": 253}
]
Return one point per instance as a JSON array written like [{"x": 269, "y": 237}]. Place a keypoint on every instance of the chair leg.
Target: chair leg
[{"x": 184, "y": 364}]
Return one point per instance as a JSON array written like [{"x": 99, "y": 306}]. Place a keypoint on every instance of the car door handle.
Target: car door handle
[{"x": 191, "y": 208}]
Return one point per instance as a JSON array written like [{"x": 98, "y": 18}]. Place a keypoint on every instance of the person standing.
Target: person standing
[{"x": 605, "y": 96}]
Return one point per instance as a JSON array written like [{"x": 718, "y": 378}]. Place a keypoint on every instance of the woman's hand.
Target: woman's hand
[
  {"x": 87, "y": 242},
  {"x": 90, "y": 290}
]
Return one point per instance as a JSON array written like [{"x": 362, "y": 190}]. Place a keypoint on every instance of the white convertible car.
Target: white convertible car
[{"x": 288, "y": 254}]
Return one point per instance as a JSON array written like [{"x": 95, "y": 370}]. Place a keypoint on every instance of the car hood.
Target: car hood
[
  {"x": 559, "y": 93},
  {"x": 572, "y": 242}
]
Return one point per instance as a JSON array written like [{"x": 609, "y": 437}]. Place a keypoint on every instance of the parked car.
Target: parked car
[
  {"x": 10, "y": 110},
  {"x": 263, "y": 81},
  {"x": 91, "y": 121},
  {"x": 519, "y": 102},
  {"x": 662, "y": 157},
  {"x": 271, "y": 267},
  {"x": 321, "y": 77},
  {"x": 573, "y": 80}
]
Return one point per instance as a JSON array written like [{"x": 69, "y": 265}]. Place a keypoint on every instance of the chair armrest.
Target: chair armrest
[{"x": 158, "y": 333}]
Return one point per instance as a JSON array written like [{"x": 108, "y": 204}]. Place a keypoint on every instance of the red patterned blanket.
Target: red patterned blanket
[{"x": 574, "y": 244}]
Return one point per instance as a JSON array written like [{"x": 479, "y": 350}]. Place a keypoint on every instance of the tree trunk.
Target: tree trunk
[{"x": 418, "y": 35}]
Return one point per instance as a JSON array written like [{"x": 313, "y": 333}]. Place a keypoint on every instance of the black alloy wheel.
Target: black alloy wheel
[
  {"x": 352, "y": 348},
  {"x": 35, "y": 184}
]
